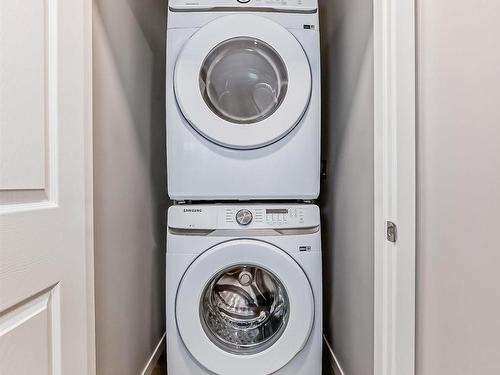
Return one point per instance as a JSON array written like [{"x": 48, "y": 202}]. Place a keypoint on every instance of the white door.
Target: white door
[
  {"x": 255, "y": 306},
  {"x": 243, "y": 81},
  {"x": 46, "y": 285}
]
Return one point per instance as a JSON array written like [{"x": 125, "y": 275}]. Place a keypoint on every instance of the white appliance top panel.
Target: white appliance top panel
[
  {"x": 287, "y": 6},
  {"x": 242, "y": 217}
]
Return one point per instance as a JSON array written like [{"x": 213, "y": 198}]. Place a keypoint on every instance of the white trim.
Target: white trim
[
  {"x": 153, "y": 360},
  {"x": 332, "y": 358},
  {"x": 395, "y": 195}
]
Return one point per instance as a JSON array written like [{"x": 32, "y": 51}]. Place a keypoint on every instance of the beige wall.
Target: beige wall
[
  {"x": 458, "y": 270},
  {"x": 130, "y": 193},
  {"x": 347, "y": 193}
]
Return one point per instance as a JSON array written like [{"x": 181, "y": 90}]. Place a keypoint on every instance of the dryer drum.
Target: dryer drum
[
  {"x": 244, "y": 309},
  {"x": 243, "y": 80}
]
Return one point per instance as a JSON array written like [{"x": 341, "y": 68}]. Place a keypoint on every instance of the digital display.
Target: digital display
[{"x": 276, "y": 211}]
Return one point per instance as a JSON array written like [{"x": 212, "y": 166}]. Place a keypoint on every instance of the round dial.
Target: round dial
[{"x": 244, "y": 217}]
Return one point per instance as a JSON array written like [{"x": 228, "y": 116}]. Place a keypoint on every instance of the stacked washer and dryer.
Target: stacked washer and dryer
[{"x": 244, "y": 280}]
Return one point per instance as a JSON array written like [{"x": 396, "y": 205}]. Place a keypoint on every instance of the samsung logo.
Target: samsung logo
[{"x": 192, "y": 210}]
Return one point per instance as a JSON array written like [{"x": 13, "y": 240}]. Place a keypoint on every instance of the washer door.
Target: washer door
[
  {"x": 244, "y": 307},
  {"x": 243, "y": 81}
]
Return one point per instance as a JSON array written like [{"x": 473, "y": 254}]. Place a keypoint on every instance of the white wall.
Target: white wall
[
  {"x": 458, "y": 270},
  {"x": 347, "y": 194},
  {"x": 130, "y": 194}
]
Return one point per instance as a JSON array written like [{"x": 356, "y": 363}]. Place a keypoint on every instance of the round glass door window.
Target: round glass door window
[
  {"x": 244, "y": 309},
  {"x": 243, "y": 80}
]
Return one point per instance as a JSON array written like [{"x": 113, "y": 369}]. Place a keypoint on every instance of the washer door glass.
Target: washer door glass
[
  {"x": 244, "y": 309},
  {"x": 243, "y": 80}
]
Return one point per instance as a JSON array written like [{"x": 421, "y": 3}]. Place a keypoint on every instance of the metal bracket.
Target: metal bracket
[{"x": 392, "y": 232}]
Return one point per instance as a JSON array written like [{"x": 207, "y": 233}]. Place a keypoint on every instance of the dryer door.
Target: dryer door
[
  {"x": 244, "y": 307},
  {"x": 243, "y": 81}
]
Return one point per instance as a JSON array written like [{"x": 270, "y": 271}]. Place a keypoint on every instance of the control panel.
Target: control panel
[
  {"x": 298, "y": 6},
  {"x": 273, "y": 216}
]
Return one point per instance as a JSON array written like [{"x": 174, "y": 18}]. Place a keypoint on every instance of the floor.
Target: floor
[{"x": 161, "y": 366}]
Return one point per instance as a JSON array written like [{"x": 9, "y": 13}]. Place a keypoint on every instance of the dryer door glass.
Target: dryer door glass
[
  {"x": 244, "y": 309},
  {"x": 243, "y": 80}
]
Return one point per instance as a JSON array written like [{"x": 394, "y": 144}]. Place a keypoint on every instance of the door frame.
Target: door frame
[
  {"x": 395, "y": 186},
  {"x": 88, "y": 15}
]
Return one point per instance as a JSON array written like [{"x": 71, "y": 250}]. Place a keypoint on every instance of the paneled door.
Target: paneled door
[{"x": 46, "y": 278}]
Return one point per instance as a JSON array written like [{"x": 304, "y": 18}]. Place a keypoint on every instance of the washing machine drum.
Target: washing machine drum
[
  {"x": 243, "y": 81},
  {"x": 252, "y": 315},
  {"x": 244, "y": 309}
]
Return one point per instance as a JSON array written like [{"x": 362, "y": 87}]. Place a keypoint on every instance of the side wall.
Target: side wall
[
  {"x": 129, "y": 175},
  {"x": 347, "y": 193},
  {"x": 458, "y": 256}
]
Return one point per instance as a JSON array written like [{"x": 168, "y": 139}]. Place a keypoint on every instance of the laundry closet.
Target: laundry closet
[
  {"x": 376, "y": 253},
  {"x": 130, "y": 140}
]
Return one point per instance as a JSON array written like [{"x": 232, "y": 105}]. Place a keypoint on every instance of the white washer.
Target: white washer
[
  {"x": 244, "y": 292},
  {"x": 243, "y": 100}
]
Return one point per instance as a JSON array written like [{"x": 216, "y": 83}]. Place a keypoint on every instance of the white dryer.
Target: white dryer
[
  {"x": 243, "y": 100},
  {"x": 244, "y": 292}
]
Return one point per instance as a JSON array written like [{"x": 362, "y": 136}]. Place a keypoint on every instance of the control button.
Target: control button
[
  {"x": 244, "y": 217},
  {"x": 243, "y": 1}
]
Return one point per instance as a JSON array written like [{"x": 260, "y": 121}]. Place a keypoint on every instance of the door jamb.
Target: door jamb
[
  {"x": 395, "y": 186},
  {"x": 88, "y": 6}
]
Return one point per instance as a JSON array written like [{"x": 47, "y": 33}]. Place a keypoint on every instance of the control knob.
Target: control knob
[{"x": 244, "y": 217}]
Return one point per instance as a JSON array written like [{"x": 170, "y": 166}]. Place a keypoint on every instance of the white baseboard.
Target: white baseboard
[
  {"x": 151, "y": 363},
  {"x": 332, "y": 359}
]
